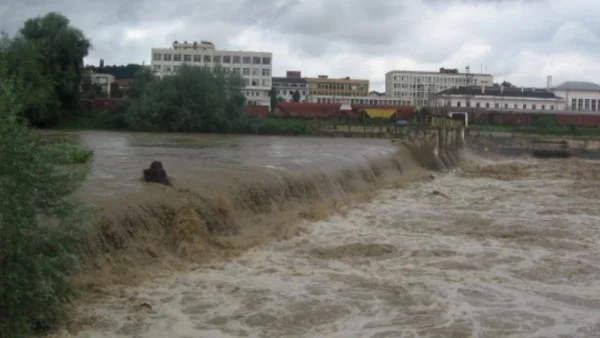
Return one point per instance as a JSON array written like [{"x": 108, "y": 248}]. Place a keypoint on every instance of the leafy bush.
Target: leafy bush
[{"x": 39, "y": 225}]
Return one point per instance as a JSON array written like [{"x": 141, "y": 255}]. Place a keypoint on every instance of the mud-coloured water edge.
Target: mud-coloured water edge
[{"x": 506, "y": 248}]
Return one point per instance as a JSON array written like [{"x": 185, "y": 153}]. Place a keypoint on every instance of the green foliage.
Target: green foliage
[
  {"x": 296, "y": 96},
  {"x": 39, "y": 224},
  {"x": 61, "y": 49},
  {"x": 119, "y": 72},
  {"x": 47, "y": 55},
  {"x": 545, "y": 121},
  {"x": 196, "y": 99},
  {"x": 273, "y": 98}
]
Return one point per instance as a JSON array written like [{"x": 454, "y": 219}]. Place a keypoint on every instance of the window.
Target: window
[
  {"x": 156, "y": 67},
  {"x": 533, "y": 107},
  {"x": 574, "y": 104},
  {"x": 496, "y": 105},
  {"x": 587, "y": 104},
  {"x": 206, "y": 58},
  {"x": 157, "y": 56},
  {"x": 187, "y": 58},
  {"x": 524, "y": 106},
  {"x": 458, "y": 104},
  {"x": 594, "y": 105},
  {"x": 255, "y": 71},
  {"x": 580, "y": 104},
  {"x": 265, "y": 82},
  {"x": 236, "y": 70},
  {"x": 266, "y": 61},
  {"x": 247, "y": 60},
  {"x": 254, "y": 83},
  {"x": 246, "y": 71},
  {"x": 226, "y": 59},
  {"x": 227, "y": 70},
  {"x": 177, "y": 57},
  {"x": 246, "y": 82},
  {"x": 167, "y": 57},
  {"x": 551, "y": 107},
  {"x": 217, "y": 59},
  {"x": 266, "y": 72},
  {"x": 543, "y": 107},
  {"x": 487, "y": 104},
  {"x": 236, "y": 59},
  {"x": 197, "y": 58},
  {"x": 506, "y": 106},
  {"x": 477, "y": 105},
  {"x": 468, "y": 104},
  {"x": 176, "y": 68},
  {"x": 515, "y": 106},
  {"x": 256, "y": 60}
]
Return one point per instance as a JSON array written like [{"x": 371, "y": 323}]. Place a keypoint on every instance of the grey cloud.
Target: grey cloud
[{"x": 310, "y": 34}]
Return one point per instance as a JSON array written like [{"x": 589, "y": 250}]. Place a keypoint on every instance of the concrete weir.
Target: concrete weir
[{"x": 438, "y": 149}]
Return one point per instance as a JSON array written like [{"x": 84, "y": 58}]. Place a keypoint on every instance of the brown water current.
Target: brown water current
[{"x": 338, "y": 238}]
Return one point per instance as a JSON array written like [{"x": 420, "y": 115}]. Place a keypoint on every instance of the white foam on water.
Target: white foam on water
[{"x": 495, "y": 259}]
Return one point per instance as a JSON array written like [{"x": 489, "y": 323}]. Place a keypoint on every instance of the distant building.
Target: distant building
[
  {"x": 102, "y": 80},
  {"x": 285, "y": 87},
  {"x": 499, "y": 98},
  {"x": 579, "y": 96},
  {"x": 255, "y": 67},
  {"x": 374, "y": 100},
  {"x": 124, "y": 84},
  {"x": 418, "y": 87},
  {"x": 344, "y": 87}
]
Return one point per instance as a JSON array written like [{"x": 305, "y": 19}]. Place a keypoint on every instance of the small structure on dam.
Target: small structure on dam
[
  {"x": 156, "y": 174},
  {"x": 550, "y": 148}
]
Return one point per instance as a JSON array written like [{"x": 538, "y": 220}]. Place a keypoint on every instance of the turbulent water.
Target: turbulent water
[{"x": 501, "y": 248}]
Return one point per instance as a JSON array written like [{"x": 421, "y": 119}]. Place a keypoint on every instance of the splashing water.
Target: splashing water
[{"x": 504, "y": 249}]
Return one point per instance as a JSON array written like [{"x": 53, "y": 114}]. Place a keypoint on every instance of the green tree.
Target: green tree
[
  {"x": 60, "y": 51},
  {"x": 273, "y": 97},
  {"x": 39, "y": 223},
  {"x": 296, "y": 96},
  {"x": 115, "y": 91},
  {"x": 196, "y": 99}
]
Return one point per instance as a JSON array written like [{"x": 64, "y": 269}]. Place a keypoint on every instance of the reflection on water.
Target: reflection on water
[{"x": 121, "y": 157}]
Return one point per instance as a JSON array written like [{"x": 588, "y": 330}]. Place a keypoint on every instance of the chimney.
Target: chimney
[{"x": 549, "y": 83}]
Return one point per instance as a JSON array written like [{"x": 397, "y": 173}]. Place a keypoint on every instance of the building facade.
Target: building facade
[
  {"x": 254, "y": 67},
  {"x": 344, "y": 87},
  {"x": 499, "y": 98},
  {"x": 417, "y": 88},
  {"x": 373, "y": 100},
  {"x": 579, "y": 96},
  {"x": 102, "y": 80},
  {"x": 286, "y": 87}
]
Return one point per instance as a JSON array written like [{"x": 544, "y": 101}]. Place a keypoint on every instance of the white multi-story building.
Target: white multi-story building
[
  {"x": 579, "y": 96},
  {"x": 255, "y": 67},
  {"x": 102, "y": 80},
  {"x": 417, "y": 88},
  {"x": 499, "y": 99}
]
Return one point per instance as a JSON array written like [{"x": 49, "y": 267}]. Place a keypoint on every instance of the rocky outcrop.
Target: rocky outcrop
[{"x": 156, "y": 174}]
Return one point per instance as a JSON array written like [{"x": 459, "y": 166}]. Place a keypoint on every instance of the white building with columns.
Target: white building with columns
[
  {"x": 254, "y": 67},
  {"x": 500, "y": 98},
  {"x": 579, "y": 96},
  {"x": 418, "y": 88}
]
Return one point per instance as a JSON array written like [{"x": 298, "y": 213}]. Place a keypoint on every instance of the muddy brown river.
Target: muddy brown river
[{"x": 507, "y": 248}]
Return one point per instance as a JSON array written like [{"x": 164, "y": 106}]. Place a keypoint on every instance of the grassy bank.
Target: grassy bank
[
  {"x": 534, "y": 131},
  {"x": 260, "y": 126}
]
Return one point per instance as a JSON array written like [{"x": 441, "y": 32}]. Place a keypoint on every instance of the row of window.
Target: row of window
[
  {"x": 292, "y": 85},
  {"x": 290, "y": 92},
  {"x": 363, "y": 101},
  {"x": 585, "y": 104},
  {"x": 342, "y": 86},
  {"x": 434, "y": 79},
  {"x": 226, "y": 70},
  {"x": 506, "y": 105},
  {"x": 247, "y": 60},
  {"x": 325, "y": 92}
]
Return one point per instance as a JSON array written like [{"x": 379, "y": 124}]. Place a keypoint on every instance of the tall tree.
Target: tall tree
[
  {"x": 61, "y": 49},
  {"x": 273, "y": 97},
  {"x": 296, "y": 96}
]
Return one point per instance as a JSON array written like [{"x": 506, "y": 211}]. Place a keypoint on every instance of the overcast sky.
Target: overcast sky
[{"x": 519, "y": 41}]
